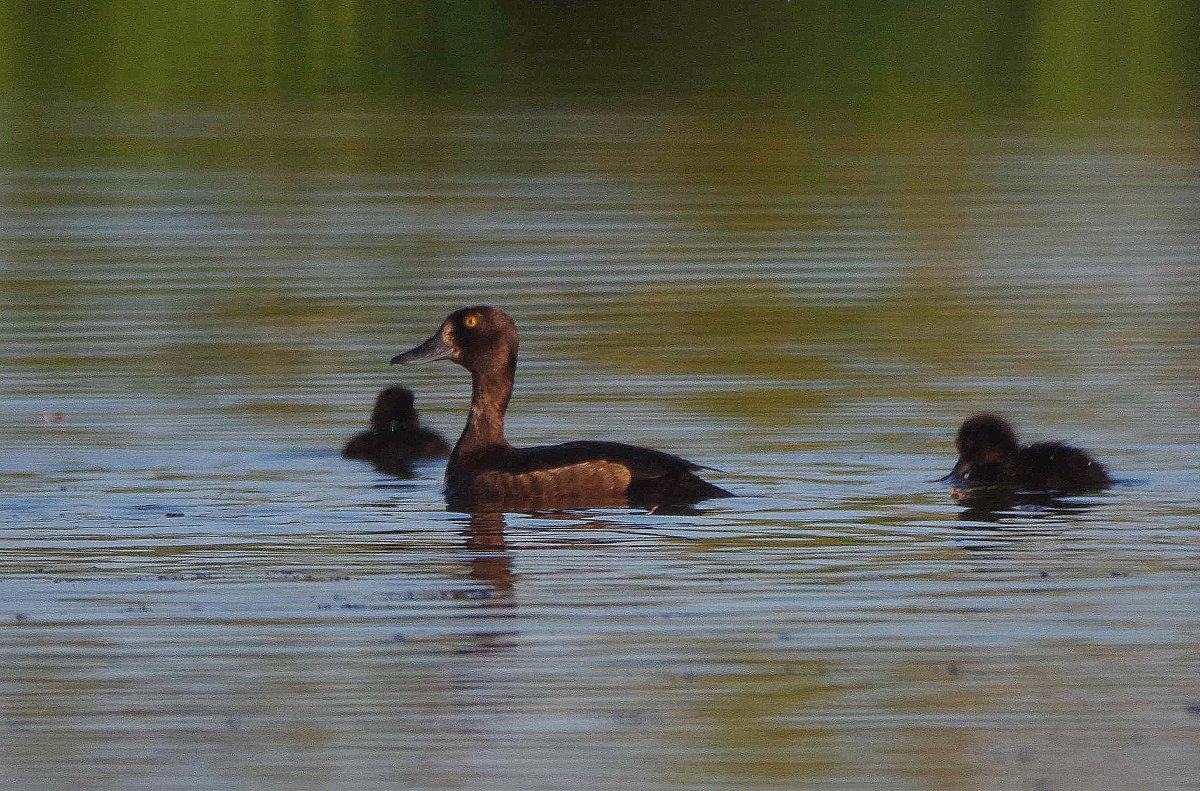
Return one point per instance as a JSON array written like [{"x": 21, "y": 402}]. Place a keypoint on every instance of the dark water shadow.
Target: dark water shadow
[
  {"x": 998, "y": 506},
  {"x": 491, "y": 559},
  {"x": 400, "y": 469}
]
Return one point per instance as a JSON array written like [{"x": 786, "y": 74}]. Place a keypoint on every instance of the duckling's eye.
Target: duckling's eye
[{"x": 470, "y": 321}]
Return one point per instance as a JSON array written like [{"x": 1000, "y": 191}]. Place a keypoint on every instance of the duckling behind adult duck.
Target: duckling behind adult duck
[
  {"x": 395, "y": 438},
  {"x": 989, "y": 454},
  {"x": 486, "y": 472}
]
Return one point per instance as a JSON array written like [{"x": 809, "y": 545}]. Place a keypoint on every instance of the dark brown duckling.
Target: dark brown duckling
[
  {"x": 989, "y": 455},
  {"x": 485, "y": 472},
  {"x": 395, "y": 438}
]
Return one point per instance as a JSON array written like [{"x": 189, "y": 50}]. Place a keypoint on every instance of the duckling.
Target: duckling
[
  {"x": 988, "y": 454},
  {"x": 395, "y": 438},
  {"x": 486, "y": 472}
]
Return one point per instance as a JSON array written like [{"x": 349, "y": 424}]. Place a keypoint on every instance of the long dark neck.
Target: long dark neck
[{"x": 490, "y": 391}]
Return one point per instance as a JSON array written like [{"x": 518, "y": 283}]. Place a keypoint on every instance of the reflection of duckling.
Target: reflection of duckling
[
  {"x": 485, "y": 471},
  {"x": 395, "y": 438},
  {"x": 988, "y": 454}
]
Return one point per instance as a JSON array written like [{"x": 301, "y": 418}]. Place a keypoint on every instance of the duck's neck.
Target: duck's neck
[{"x": 490, "y": 391}]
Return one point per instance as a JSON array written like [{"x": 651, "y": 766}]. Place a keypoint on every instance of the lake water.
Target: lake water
[{"x": 197, "y": 592}]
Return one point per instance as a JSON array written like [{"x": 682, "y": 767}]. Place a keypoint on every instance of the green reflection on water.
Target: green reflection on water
[
  {"x": 754, "y": 732},
  {"x": 756, "y": 333},
  {"x": 874, "y": 60}
]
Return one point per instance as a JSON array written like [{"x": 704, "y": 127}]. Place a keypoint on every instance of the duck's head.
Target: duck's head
[
  {"x": 394, "y": 410},
  {"x": 984, "y": 442},
  {"x": 480, "y": 339}
]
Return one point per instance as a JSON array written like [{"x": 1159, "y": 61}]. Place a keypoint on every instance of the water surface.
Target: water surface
[{"x": 198, "y": 309}]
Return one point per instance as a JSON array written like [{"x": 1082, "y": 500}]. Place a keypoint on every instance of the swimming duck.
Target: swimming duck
[
  {"x": 395, "y": 438},
  {"x": 988, "y": 454},
  {"x": 486, "y": 472}
]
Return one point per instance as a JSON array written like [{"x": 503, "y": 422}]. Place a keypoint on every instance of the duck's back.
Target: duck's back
[
  {"x": 1056, "y": 466},
  {"x": 362, "y": 445},
  {"x": 578, "y": 475},
  {"x": 428, "y": 444}
]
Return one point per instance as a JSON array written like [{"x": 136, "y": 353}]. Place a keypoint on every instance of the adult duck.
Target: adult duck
[
  {"x": 989, "y": 455},
  {"x": 485, "y": 472}
]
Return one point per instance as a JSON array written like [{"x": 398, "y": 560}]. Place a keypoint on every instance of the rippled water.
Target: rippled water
[{"x": 198, "y": 592}]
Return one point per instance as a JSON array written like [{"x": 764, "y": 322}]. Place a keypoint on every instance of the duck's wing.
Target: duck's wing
[
  {"x": 428, "y": 444},
  {"x": 654, "y": 477},
  {"x": 360, "y": 446}
]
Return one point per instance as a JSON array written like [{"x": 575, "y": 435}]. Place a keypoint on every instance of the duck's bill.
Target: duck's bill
[
  {"x": 433, "y": 349},
  {"x": 957, "y": 474}
]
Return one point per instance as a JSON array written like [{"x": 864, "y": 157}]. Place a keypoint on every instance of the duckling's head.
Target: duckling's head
[
  {"x": 984, "y": 442},
  {"x": 394, "y": 410},
  {"x": 480, "y": 339}
]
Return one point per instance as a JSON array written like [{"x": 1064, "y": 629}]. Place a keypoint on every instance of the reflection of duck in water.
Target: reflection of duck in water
[
  {"x": 491, "y": 561},
  {"x": 395, "y": 438},
  {"x": 486, "y": 472},
  {"x": 998, "y": 508},
  {"x": 989, "y": 456}
]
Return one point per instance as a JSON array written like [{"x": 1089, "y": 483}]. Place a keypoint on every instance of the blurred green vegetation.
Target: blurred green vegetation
[{"x": 928, "y": 60}]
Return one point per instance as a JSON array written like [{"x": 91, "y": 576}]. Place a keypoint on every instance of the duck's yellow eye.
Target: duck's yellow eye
[{"x": 470, "y": 321}]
